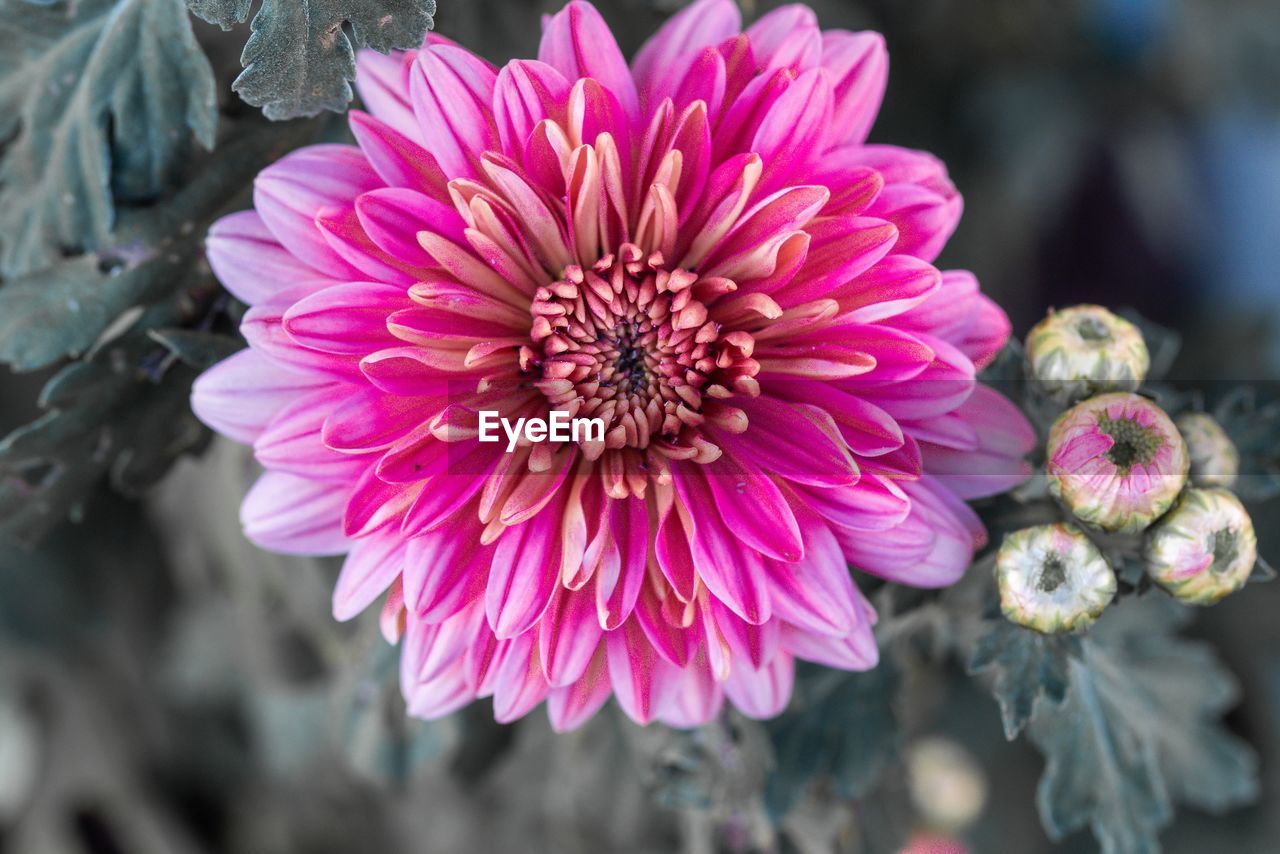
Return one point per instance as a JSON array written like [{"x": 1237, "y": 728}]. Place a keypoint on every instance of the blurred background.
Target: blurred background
[{"x": 166, "y": 688}]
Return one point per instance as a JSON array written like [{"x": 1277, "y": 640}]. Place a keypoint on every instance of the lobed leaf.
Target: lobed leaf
[
  {"x": 100, "y": 103},
  {"x": 299, "y": 59}
]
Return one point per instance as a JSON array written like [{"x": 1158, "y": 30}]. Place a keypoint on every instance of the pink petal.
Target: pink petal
[
  {"x": 859, "y": 68},
  {"x": 668, "y": 55},
  {"x": 240, "y": 395},
  {"x": 571, "y": 706},
  {"x": 249, "y": 261},
  {"x": 452, "y": 94},
  {"x": 764, "y": 693},
  {"x": 370, "y": 568},
  {"x": 289, "y": 193},
  {"x": 523, "y": 575},
  {"x": 568, "y": 636},
  {"x": 295, "y": 515},
  {"x": 577, "y": 42}
]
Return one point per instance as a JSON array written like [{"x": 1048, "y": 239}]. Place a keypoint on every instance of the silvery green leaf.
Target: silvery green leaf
[
  {"x": 101, "y": 102},
  {"x": 299, "y": 59},
  {"x": 1026, "y": 667},
  {"x": 839, "y": 725},
  {"x": 1137, "y": 732}
]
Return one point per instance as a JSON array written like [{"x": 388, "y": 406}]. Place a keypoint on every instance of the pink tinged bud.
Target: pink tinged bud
[
  {"x": 1204, "y": 549},
  {"x": 1053, "y": 579},
  {"x": 933, "y": 843},
  {"x": 1116, "y": 461},
  {"x": 1214, "y": 458},
  {"x": 1086, "y": 350}
]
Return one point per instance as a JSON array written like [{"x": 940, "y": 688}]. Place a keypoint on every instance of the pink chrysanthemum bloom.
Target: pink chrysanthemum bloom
[
  {"x": 1116, "y": 461},
  {"x": 697, "y": 249}
]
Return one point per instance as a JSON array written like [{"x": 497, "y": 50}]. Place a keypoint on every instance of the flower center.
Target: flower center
[
  {"x": 1092, "y": 329},
  {"x": 1225, "y": 546},
  {"x": 1053, "y": 573},
  {"x": 629, "y": 342},
  {"x": 1134, "y": 443}
]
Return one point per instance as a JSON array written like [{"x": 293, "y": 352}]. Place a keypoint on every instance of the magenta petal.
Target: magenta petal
[
  {"x": 571, "y": 706},
  {"x": 762, "y": 693},
  {"x": 452, "y": 94},
  {"x": 618, "y": 581},
  {"x": 798, "y": 442},
  {"x": 523, "y": 575},
  {"x": 350, "y": 319},
  {"x": 249, "y": 261},
  {"x": 665, "y": 58},
  {"x": 289, "y": 193},
  {"x": 577, "y": 43},
  {"x": 859, "y": 68},
  {"x": 774, "y": 36},
  {"x": 398, "y": 160},
  {"x": 527, "y": 92},
  {"x": 855, "y": 651},
  {"x": 692, "y": 696},
  {"x": 632, "y": 668},
  {"x": 383, "y": 83},
  {"x": 816, "y": 593},
  {"x": 568, "y": 636},
  {"x": 754, "y": 509},
  {"x": 441, "y": 696},
  {"x": 445, "y": 571},
  {"x": 374, "y": 562},
  {"x": 295, "y": 515},
  {"x": 240, "y": 395},
  {"x": 519, "y": 685},
  {"x": 292, "y": 442}
]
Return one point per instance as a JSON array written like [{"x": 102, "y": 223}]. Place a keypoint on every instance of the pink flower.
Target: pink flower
[
  {"x": 697, "y": 249},
  {"x": 1116, "y": 461}
]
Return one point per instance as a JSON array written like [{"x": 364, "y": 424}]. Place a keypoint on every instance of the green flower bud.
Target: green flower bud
[
  {"x": 1214, "y": 458},
  {"x": 1086, "y": 350},
  {"x": 1116, "y": 461},
  {"x": 1053, "y": 579},
  {"x": 1204, "y": 549}
]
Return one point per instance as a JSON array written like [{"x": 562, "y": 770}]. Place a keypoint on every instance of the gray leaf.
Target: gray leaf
[
  {"x": 100, "y": 100},
  {"x": 1026, "y": 665},
  {"x": 299, "y": 59}
]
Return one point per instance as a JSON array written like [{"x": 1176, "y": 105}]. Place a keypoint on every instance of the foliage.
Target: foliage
[
  {"x": 1137, "y": 731},
  {"x": 100, "y": 103},
  {"x": 300, "y": 60},
  {"x": 839, "y": 725}
]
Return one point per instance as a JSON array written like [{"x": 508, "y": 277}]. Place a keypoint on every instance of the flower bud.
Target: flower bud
[
  {"x": 1086, "y": 350},
  {"x": 1053, "y": 579},
  {"x": 1214, "y": 458},
  {"x": 946, "y": 784},
  {"x": 1116, "y": 461},
  {"x": 1204, "y": 549}
]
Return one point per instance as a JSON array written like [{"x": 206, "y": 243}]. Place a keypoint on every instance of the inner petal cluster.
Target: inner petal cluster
[{"x": 629, "y": 342}]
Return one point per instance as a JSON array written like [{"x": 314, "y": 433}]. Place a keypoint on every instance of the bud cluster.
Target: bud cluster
[{"x": 1120, "y": 466}]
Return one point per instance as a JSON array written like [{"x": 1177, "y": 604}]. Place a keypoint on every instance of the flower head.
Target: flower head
[
  {"x": 1086, "y": 350},
  {"x": 696, "y": 250},
  {"x": 1214, "y": 458},
  {"x": 1204, "y": 548},
  {"x": 1116, "y": 461},
  {"x": 1053, "y": 579}
]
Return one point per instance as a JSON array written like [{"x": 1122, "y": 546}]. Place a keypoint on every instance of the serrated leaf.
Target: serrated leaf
[
  {"x": 1026, "y": 666},
  {"x": 299, "y": 59},
  {"x": 197, "y": 349},
  {"x": 1137, "y": 732},
  {"x": 840, "y": 725},
  {"x": 101, "y": 102}
]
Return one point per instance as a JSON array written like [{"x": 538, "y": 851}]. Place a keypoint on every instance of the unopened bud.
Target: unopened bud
[
  {"x": 1086, "y": 350},
  {"x": 1204, "y": 549},
  {"x": 1214, "y": 458},
  {"x": 1116, "y": 461},
  {"x": 1053, "y": 579}
]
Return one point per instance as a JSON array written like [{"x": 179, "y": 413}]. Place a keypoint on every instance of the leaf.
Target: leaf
[
  {"x": 299, "y": 59},
  {"x": 1026, "y": 667},
  {"x": 101, "y": 103},
  {"x": 1136, "y": 732},
  {"x": 200, "y": 350},
  {"x": 839, "y": 725}
]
